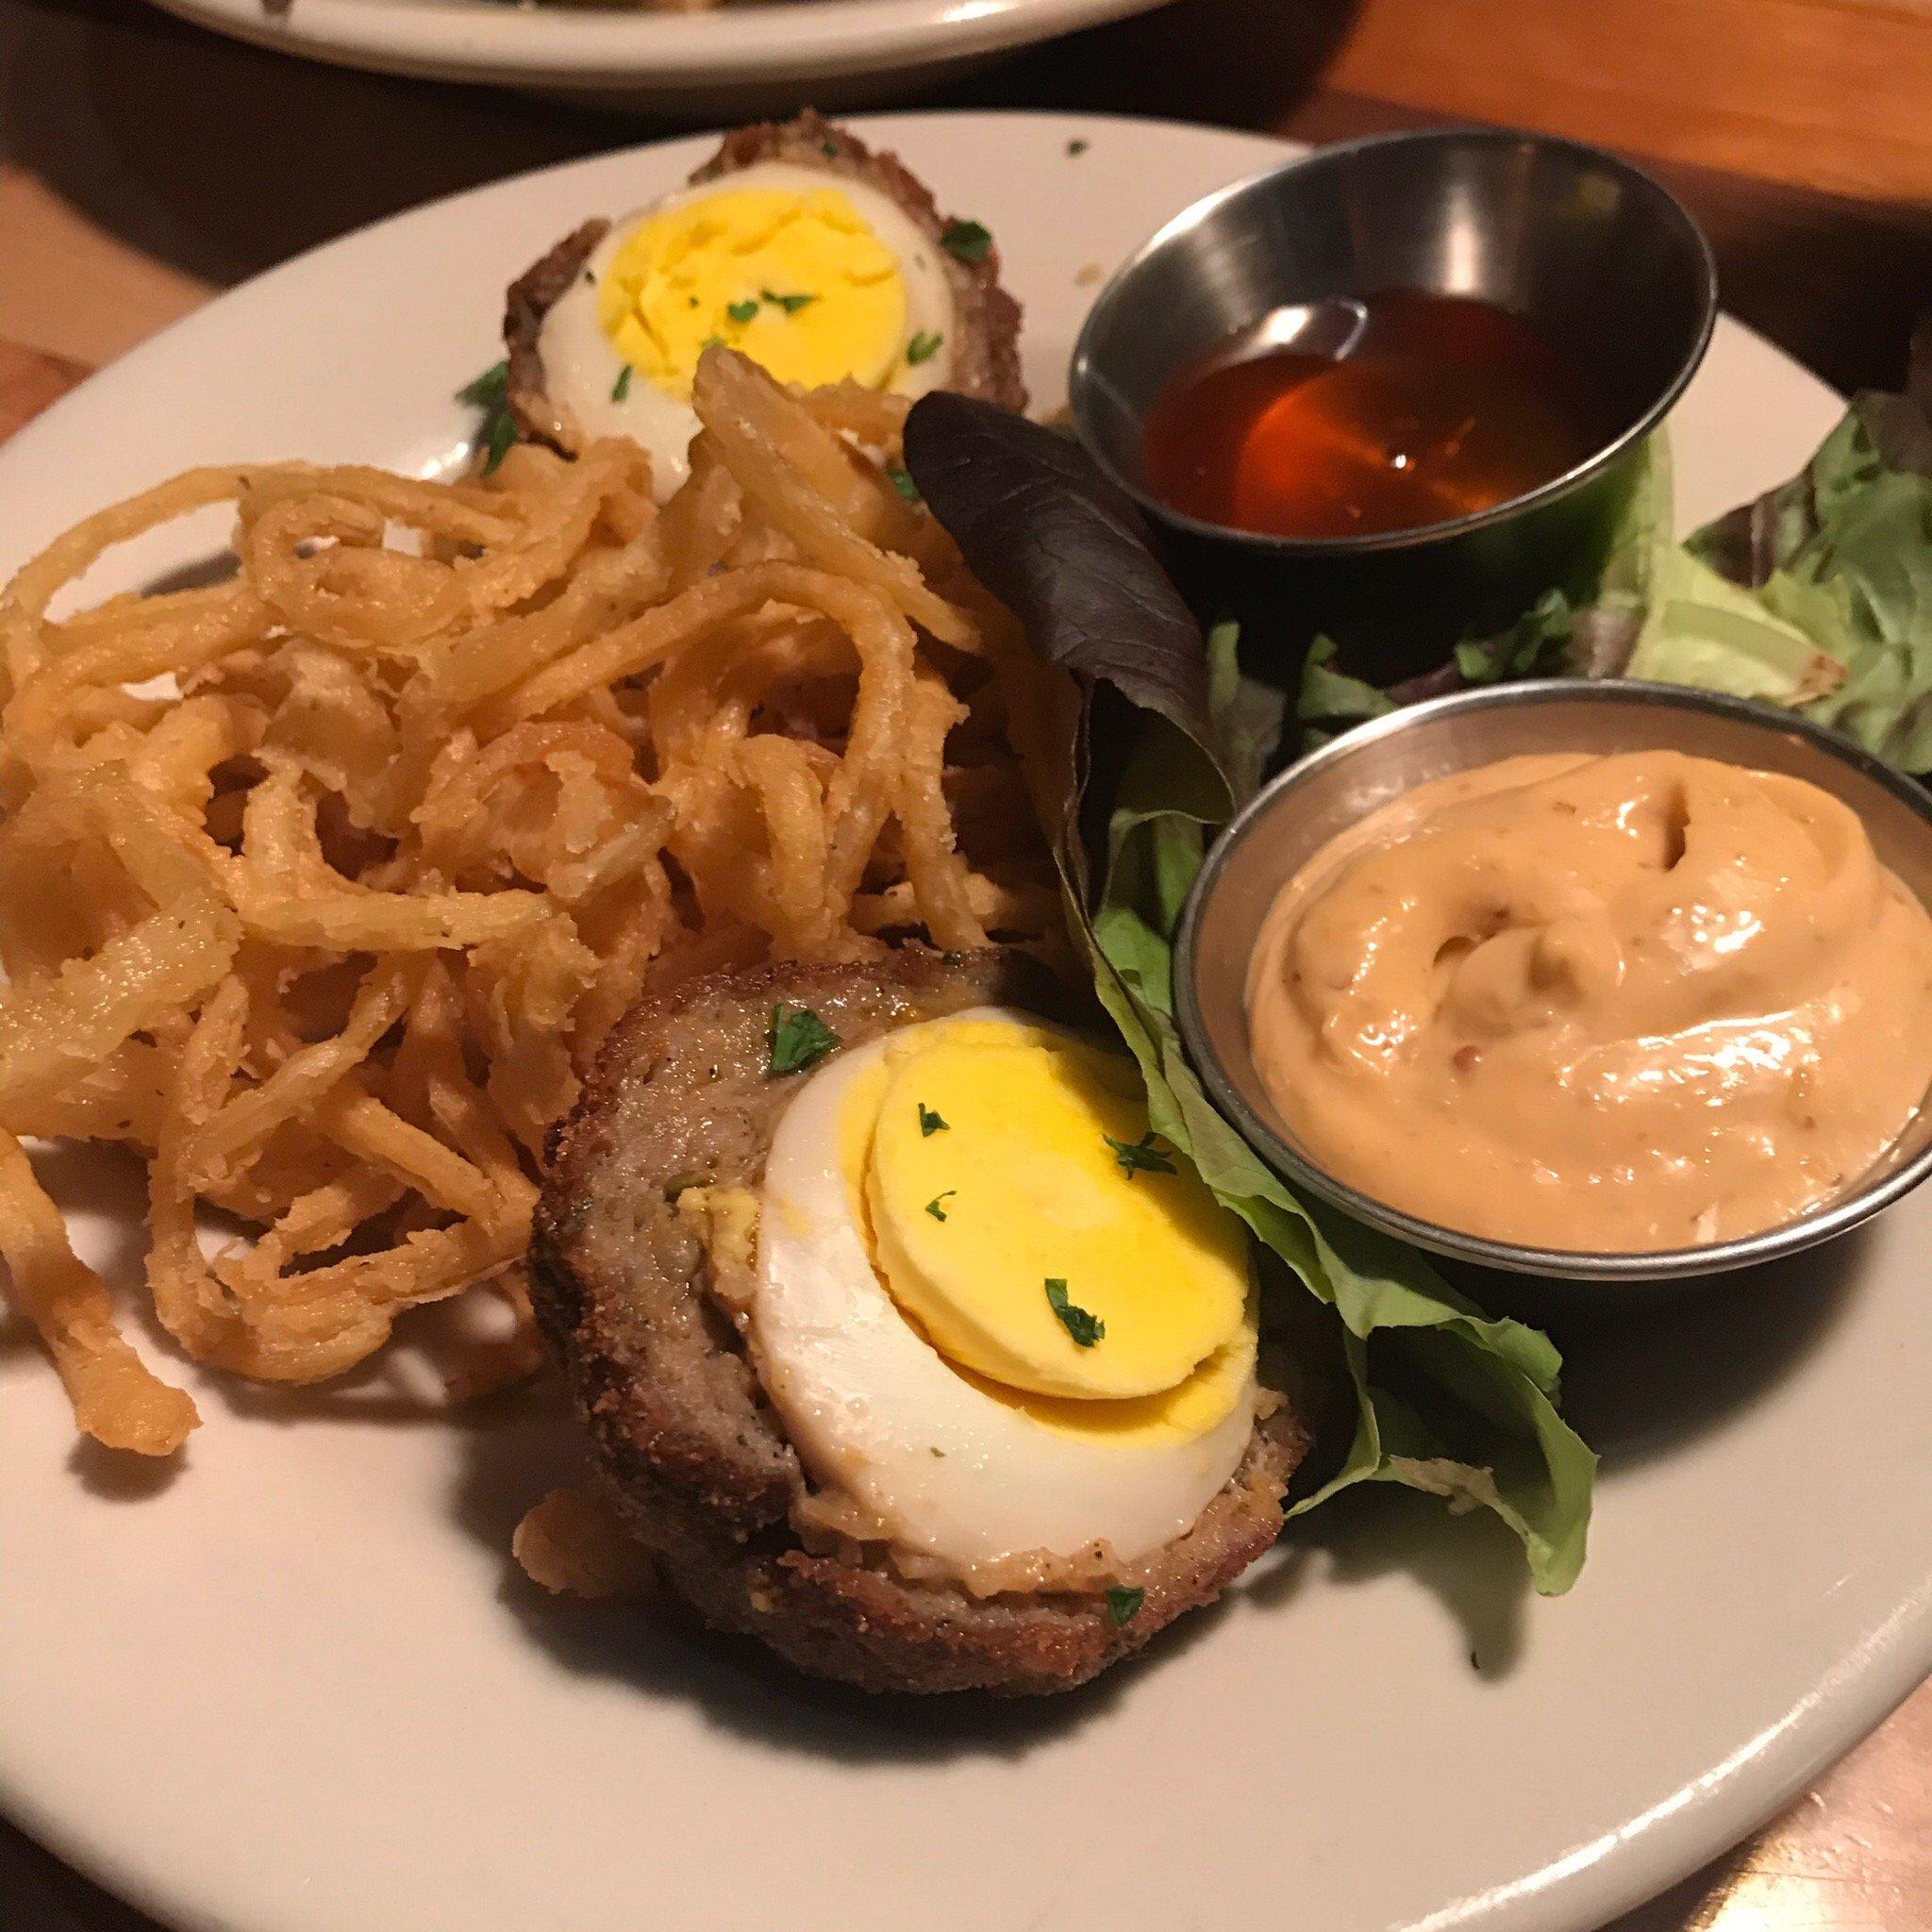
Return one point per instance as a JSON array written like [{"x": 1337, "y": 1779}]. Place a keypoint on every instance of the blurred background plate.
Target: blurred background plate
[{"x": 722, "y": 59}]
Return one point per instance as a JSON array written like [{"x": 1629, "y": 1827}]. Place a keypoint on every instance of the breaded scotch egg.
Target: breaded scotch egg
[
  {"x": 903, "y": 1345},
  {"x": 796, "y": 246}
]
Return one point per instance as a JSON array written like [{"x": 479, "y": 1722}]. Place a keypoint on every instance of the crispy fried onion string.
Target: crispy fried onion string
[{"x": 320, "y": 884}]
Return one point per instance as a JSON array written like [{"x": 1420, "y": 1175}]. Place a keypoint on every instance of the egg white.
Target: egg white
[
  {"x": 950, "y": 1471},
  {"x": 581, "y": 367}
]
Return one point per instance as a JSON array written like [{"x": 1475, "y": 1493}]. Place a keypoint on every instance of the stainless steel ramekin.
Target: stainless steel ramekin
[{"x": 1295, "y": 815}]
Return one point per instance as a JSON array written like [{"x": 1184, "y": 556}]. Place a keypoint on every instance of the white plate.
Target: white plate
[
  {"x": 300, "y": 1690},
  {"x": 728, "y": 58}
]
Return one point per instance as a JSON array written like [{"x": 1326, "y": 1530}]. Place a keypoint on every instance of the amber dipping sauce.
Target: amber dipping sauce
[{"x": 1438, "y": 407}]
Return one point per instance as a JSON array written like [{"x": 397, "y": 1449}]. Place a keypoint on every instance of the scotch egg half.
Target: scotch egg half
[
  {"x": 819, "y": 277},
  {"x": 988, "y": 1308}
]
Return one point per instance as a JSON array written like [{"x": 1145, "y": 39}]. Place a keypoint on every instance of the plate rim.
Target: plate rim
[
  {"x": 1619, "y": 1869},
  {"x": 797, "y": 40}
]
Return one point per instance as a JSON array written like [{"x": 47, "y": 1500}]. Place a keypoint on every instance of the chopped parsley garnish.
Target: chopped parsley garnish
[
  {"x": 901, "y": 480},
  {"x": 966, "y": 241},
  {"x": 490, "y": 393},
  {"x": 790, "y": 304},
  {"x": 499, "y": 434},
  {"x": 829, "y": 149},
  {"x": 744, "y": 312},
  {"x": 929, "y": 1123},
  {"x": 922, "y": 348},
  {"x": 1086, "y": 1329},
  {"x": 621, "y": 388},
  {"x": 712, "y": 343},
  {"x": 797, "y": 1039},
  {"x": 486, "y": 390},
  {"x": 690, "y": 301},
  {"x": 1124, "y": 1603},
  {"x": 1077, "y": 146},
  {"x": 1140, "y": 1157},
  {"x": 933, "y": 1207}
]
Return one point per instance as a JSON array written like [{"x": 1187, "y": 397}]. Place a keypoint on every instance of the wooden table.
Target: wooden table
[{"x": 143, "y": 166}]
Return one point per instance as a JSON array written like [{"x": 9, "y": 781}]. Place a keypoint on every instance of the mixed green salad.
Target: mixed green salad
[{"x": 1818, "y": 596}]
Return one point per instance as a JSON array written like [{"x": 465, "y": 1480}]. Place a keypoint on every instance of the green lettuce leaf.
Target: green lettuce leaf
[
  {"x": 1703, "y": 630},
  {"x": 1842, "y": 556},
  {"x": 1475, "y": 1419},
  {"x": 1446, "y": 1400},
  {"x": 1817, "y": 596}
]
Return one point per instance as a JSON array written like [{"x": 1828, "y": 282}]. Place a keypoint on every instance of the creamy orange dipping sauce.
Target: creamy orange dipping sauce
[{"x": 1602, "y": 1004}]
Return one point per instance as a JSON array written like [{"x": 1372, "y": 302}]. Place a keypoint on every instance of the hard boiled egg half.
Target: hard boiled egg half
[
  {"x": 818, "y": 278},
  {"x": 990, "y": 1309}
]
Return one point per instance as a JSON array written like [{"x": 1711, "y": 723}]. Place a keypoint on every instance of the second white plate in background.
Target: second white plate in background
[{"x": 730, "y": 60}]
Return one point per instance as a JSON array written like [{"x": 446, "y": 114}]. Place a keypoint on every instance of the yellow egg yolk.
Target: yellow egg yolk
[
  {"x": 796, "y": 279},
  {"x": 1190, "y": 1409},
  {"x": 993, "y": 1160}
]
